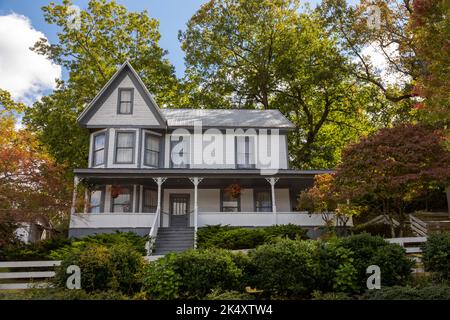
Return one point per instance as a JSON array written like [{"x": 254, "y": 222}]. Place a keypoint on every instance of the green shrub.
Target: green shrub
[
  {"x": 436, "y": 254},
  {"x": 431, "y": 292},
  {"x": 39, "y": 250},
  {"x": 369, "y": 250},
  {"x": 160, "y": 280},
  {"x": 318, "y": 295},
  {"x": 234, "y": 238},
  {"x": 115, "y": 268},
  {"x": 129, "y": 239},
  {"x": 285, "y": 267},
  {"x": 204, "y": 270}
]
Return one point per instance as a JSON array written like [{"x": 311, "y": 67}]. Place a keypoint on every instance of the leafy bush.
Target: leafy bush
[
  {"x": 234, "y": 238},
  {"x": 369, "y": 250},
  {"x": 431, "y": 292},
  {"x": 129, "y": 239},
  {"x": 160, "y": 280},
  {"x": 33, "y": 251},
  {"x": 191, "y": 274},
  {"x": 436, "y": 254},
  {"x": 285, "y": 267},
  {"x": 102, "y": 268},
  {"x": 318, "y": 295},
  {"x": 204, "y": 270}
]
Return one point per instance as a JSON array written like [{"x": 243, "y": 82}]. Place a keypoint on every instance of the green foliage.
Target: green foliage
[
  {"x": 191, "y": 274},
  {"x": 160, "y": 280},
  {"x": 317, "y": 295},
  {"x": 130, "y": 239},
  {"x": 369, "y": 250},
  {"x": 430, "y": 292},
  {"x": 436, "y": 254},
  {"x": 115, "y": 268},
  {"x": 204, "y": 270},
  {"x": 233, "y": 238},
  {"x": 285, "y": 267},
  {"x": 40, "y": 250}
]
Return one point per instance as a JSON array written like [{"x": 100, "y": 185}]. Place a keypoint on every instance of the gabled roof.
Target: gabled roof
[
  {"x": 232, "y": 118},
  {"x": 125, "y": 67}
]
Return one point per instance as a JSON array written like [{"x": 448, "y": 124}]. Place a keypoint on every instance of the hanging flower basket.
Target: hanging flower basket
[
  {"x": 115, "y": 191},
  {"x": 234, "y": 190}
]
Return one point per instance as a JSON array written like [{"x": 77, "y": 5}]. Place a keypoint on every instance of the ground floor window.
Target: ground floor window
[
  {"x": 96, "y": 200},
  {"x": 150, "y": 200},
  {"x": 263, "y": 201},
  {"x": 230, "y": 202},
  {"x": 121, "y": 199}
]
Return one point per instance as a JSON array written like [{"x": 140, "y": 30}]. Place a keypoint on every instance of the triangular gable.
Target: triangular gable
[{"x": 125, "y": 74}]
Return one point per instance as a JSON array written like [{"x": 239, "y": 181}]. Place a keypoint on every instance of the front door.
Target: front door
[{"x": 179, "y": 210}]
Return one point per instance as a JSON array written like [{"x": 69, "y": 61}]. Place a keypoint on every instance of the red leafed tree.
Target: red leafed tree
[
  {"x": 32, "y": 187},
  {"x": 393, "y": 167}
]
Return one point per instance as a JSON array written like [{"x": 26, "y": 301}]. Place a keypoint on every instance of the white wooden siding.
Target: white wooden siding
[{"x": 107, "y": 112}]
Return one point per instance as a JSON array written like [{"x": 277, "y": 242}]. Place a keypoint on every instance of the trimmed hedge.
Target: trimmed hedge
[{"x": 235, "y": 238}]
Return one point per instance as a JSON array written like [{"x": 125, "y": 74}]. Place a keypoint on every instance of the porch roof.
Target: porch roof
[{"x": 212, "y": 177}]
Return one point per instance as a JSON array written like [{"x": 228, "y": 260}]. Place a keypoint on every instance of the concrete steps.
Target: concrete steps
[{"x": 173, "y": 239}]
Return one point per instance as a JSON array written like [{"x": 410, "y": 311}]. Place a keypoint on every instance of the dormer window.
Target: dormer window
[{"x": 125, "y": 105}]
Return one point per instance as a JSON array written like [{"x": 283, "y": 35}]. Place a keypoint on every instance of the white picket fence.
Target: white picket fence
[
  {"x": 411, "y": 244},
  {"x": 28, "y": 279}
]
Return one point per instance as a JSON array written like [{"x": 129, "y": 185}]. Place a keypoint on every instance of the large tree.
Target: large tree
[
  {"x": 91, "y": 49},
  {"x": 394, "y": 167},
  {"x": 266, "y": 54}
]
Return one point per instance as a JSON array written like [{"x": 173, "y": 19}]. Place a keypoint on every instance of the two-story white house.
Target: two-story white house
[{"x": 166, "y": 172}]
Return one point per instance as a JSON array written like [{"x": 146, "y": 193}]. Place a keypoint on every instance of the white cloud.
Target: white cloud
[
  {"x": 23, "y": 72},
  {"x": 388, "y": 75}
]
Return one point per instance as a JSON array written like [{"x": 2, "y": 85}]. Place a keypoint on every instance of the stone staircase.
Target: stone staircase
[{"x": 173, "y": 239}]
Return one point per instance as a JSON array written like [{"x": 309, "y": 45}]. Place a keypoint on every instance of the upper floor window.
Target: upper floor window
[
  {"x": 151, "y": 150},
  {"x": 245, "y": 152},
  {"x": 230, "y": 202},
  {"x": 125, "y": 144},
  {"x": 125, "y": 101},
  {"x": 121, "y": 199},
  {"x": 96, "y": 198},
  {"x": 263, "y": 201},
  {"x": 180, "y": 152},
  {"x": 150, "y": 200},
  {"x": 99, "y": 149}
]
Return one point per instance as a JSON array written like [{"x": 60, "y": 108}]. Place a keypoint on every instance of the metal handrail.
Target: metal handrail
[{"x": 153, "y": 232}]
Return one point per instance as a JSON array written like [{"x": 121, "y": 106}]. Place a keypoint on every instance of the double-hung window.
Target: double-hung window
[
  {"x": 230, "y": 203},
  {"x": 99, "y": 149},
  {"x": 96, "y": 201},
  {"x": 125, "y": 144},
  {"x": 125, "y": 101},
  {"x": 245, "y": 152},
  {"x": 263, "y": 201},
  {"x": 151, "y": 150},
  {"x": 150, "y": 200},
  {"x": 122, "y": 199}
]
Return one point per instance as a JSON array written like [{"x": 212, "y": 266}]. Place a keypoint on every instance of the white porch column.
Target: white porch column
[
  {"x": 76, "y": 180},
  {"x": 272, "y": 182},
  {"x": 195, "y": 181}
]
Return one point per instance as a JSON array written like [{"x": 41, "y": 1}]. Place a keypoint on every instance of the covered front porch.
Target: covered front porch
[{"x": 144, "y": 200}]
